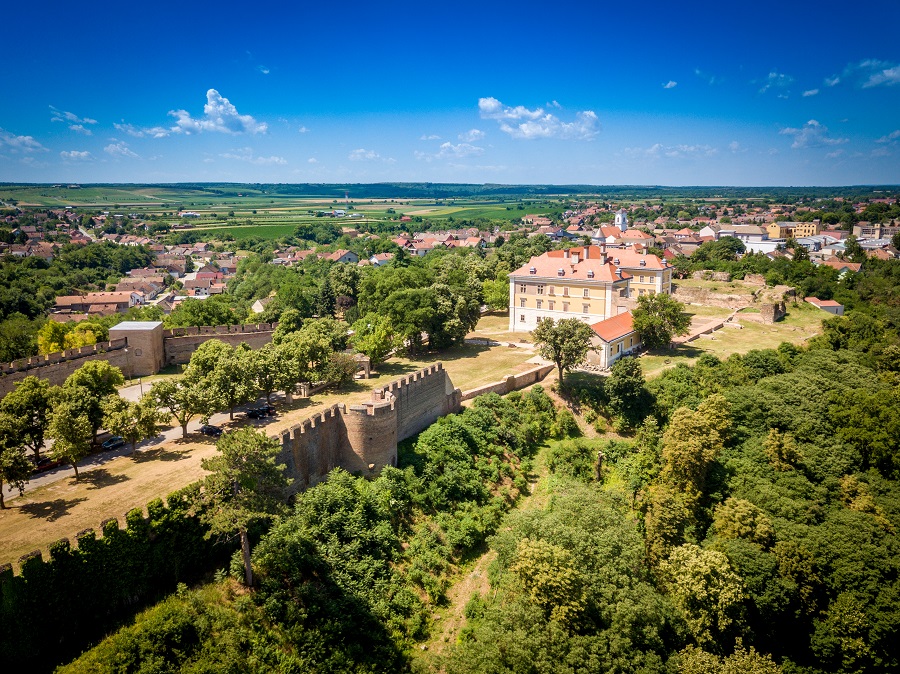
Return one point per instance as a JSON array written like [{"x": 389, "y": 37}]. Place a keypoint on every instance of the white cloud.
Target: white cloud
[
  {"x": 673, "y": 151},
  {"x": 880, "y": 152},
  {"x": 147, "y": 131},
  {"x": 362, "y": 155},
  {"x": 451, "y": 151},
  {"x": 220, "y": 115},
  {"x": 868, "y": 73},
  {"x": 880, "y": 72},
  {"x": 429, "y": 137},
  {"x": 810, "y": 92},
  {"x": 892, "y": 136},
  {"x": 303, "y": 129},
  {"x": 80, "y": 128},
  {"x": 71, "y": 117},
  {"x": 471, "y": 135},
  {"x": 16, "y": 143},
  {"x": 776, "y": 80},
  {"x": 524, "y": 124},
  {"x": 811, "y": 134},
  {"x": 246, "y": 154},
  {"x": 312, "y": 160},
  {"x": 671, "y": 84},
  {"x": 835, "y": 154},
  {"x": 119, "y": 149},
  {"x": 263, "y": 70},
  {"x": 76, "y": 155},
  {"x": 735, "y": 146},
  {"x": 710, "y": 79}
]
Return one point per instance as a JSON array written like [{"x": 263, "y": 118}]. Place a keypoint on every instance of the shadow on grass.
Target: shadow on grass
[
  {"x": 680, "y": 351},
  {"x": 99, "y": 478},
  {"x": 50, "y": 510},
  {"x": 158, "y": 454}
]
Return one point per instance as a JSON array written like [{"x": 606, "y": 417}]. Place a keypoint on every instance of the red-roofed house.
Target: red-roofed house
[
  {"x": 830, "y": 306},
  {"x": 614, "y": 338}
]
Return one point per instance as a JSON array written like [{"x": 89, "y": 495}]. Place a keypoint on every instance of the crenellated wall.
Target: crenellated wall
[
  {"x": 180, "y": 343},
  {"x": 363, "y": 438},
  {"x": 153, "y": 349},
  {"x": 420, "y": 399},
  {"x": 55, "y": 367}
]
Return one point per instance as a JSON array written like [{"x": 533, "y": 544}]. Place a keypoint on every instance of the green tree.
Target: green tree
[
  {"x": 738, "y": 518},
  {"x": 271, "y": 369},
  {"x": 658, "y": 318},
  {"x": 692, "y": 442},
  {"x": 496, "y": 294},
  {"x": 132, "y": 421},
  {"x": 185, "y": 399},
  {"x": 15, "y": 468},
  {"x": 550, "y": 579},
  {"x": 706, "y": 590},
  {"x": 693, "y": 660},
  {"x": 51, "y": 337},
  {"x": 231, "y": 380},
  {"x": 626, "y": 394},
  {"x": 205, "y": 359},
  {"x": 374, "y": 335},
  {"x": 565, "y": 342},
  {"x": 97, "y": 379},
  {"x": 70, "y": 429},
  {"x": 29, "y": 402},
  {"x": 244, "y": 485}
]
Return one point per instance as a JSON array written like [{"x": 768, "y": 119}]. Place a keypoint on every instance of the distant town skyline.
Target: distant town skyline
[{"x": 695, "y": 93}]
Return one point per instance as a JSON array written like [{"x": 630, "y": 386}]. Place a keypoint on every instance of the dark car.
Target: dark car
[
  {"x": 114, "y": 442},
  {"x": 46, "y": 463},
  {"x": 261, "y": 412},
  {"x": 209, "y": 429}
]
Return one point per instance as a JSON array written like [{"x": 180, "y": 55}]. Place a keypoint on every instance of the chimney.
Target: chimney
[
  {"x": 574, "y": 258},
  {"x": 566, "y": 253},
  {"x": 618, "y": 272},
  {"x": 603, "y": 258},
  {"x": 587, "y": 252}
]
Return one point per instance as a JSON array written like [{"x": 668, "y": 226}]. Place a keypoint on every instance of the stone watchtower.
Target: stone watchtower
[{"x": 146, "y": 350}]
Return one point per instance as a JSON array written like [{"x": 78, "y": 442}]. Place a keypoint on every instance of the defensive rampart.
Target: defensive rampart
[
  {"x": 151, "y": 350},
  {"x": 55, "y": 367},
  {"x": 363, "y": 438},
  {"x": 510, "y": 383},
  {"x": 180, "y": 343}
]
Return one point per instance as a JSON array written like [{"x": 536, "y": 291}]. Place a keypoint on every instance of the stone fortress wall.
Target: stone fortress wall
[
  {"x": 363, "y": 438},
  {"x": 140, "y": 349}
]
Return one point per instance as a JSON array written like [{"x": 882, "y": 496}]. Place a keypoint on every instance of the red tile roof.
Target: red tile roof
[{"x": 613, "y": 328}]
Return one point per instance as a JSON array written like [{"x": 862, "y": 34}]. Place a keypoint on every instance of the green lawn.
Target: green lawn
[{"x": 801, "y": 322}]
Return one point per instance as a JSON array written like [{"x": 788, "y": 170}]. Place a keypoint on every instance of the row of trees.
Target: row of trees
[{"x": 218, "y": 377}]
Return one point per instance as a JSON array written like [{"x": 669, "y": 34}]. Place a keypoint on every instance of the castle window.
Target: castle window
[
  {"x": 586, "y": 308},
  {"x": 521, "y": 318},
  {"x": 540, "y": 290},
  {"x": 565, "y": 306},
  {"x": 550, "y": 305},
  {"x": 138, "y": 352},
  {"x": 565, "y": 292},
  {"x": 522, "y": 302},
  {"x": 587, "y": 292},
  {"x": 551, "y": 290},
  {"x": 540, "y": 304},
  {"x": 523, "y": 288}
]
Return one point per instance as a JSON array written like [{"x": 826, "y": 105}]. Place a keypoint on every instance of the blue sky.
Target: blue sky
[{"x": 690, "y": 93}]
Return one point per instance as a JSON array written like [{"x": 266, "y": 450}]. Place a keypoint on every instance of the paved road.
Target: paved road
[{"x": 93, "y": 461}]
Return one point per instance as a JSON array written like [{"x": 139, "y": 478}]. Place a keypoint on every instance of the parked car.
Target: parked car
[
  {"x": 114, "y": 442},
  {"x": 46, "y": 463},
  {"x": 209, "y": 429},
  {"x": 261, "y": 412}
]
